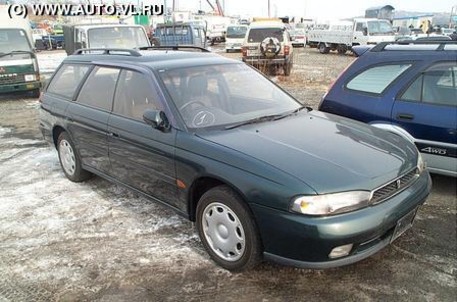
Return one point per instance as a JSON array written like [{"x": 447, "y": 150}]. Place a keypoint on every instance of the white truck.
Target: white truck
[{"x": 342, "y": 35}]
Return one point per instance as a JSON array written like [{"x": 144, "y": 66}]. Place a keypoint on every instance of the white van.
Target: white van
[{"x": 234, "y": 37}]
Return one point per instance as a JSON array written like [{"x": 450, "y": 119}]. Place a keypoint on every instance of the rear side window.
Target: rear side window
[
  {"x": 67, "y": 79},
  {"x": 134, "y": 95},
  {"x": 98, "y": 90},
  {"x": 437, "y": 85},
  {"x": 376, "y": 79},
  {"x": 260, "y": 34}
]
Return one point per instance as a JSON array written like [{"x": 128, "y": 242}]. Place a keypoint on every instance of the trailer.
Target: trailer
[{"x": 343, "y": 35}]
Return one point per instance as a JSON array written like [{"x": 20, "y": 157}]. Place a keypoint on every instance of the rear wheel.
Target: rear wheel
[
  {"x": 342, "y": 49},
  {"x": 323, "y": 48},
  {"x": 69, "y": 159},
  {"x": 227, "y": 229}
]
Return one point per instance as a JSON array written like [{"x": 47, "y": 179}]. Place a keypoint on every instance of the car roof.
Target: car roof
[
  {"x": 155, "y": 59},
  {"x": 410, "y": 48}
]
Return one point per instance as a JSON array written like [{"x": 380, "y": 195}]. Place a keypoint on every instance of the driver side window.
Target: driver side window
[{"x": 134, "y": 95}]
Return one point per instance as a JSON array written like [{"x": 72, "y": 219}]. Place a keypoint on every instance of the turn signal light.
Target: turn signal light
[
  {"x": 244, "y": 51},
  {"x": 286, "y": 50}
]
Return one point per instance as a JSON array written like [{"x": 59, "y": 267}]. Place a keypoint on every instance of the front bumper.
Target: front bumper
[
  {"x": 306, "y": 242},
  {"x": 17, "y": 87}
]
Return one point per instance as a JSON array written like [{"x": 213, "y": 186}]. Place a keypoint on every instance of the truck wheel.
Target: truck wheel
[
  {"x": 323, "y": 48},
  {"x": 342, "y": 49}
]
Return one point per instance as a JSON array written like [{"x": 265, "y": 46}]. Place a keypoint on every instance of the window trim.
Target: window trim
[
  {"x": 78, "y": 87},
  {"x": 387, "y": 88}
]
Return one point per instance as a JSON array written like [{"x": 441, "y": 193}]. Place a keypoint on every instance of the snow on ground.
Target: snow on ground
[{"x": 61, "y": 227}]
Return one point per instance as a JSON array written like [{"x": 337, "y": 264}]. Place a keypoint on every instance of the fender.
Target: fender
[{"x": 395, "y": 129}]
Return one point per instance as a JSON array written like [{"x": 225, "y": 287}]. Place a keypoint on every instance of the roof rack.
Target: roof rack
[
  {"x": 108, "y": 51},
  {"x": 175, "y": 47},
  {"x": 441, "y": 44}
]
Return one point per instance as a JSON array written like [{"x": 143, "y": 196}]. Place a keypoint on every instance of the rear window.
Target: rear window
[
  {"x": 260, "y": 34},
  {"x": 67, "y": 79},
  {"x": 376, "y": 79},
  {"x": 98, "y": 90}
]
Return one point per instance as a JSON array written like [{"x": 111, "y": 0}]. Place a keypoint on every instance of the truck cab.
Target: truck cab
[
  {"x": 104, "y": 36},
  {"x": 190, "y": 34},
  {"x": 18, "y": 62}
]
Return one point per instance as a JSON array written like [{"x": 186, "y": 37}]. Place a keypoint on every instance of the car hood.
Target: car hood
[{"x": 327, "y": 152}]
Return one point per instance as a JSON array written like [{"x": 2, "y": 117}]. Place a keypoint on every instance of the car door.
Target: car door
[
  {"x": 141, "y": 157},
  {"x": 88, "y": 117},
  {"x": 427, "y": 109}
]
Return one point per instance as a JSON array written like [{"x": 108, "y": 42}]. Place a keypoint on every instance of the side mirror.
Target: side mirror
[
  {"x": 157, "y": 119},
  {"x": 365, "y": 31}
]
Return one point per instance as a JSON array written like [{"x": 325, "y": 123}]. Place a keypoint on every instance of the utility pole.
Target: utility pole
[{"x": 269, "y": 12}]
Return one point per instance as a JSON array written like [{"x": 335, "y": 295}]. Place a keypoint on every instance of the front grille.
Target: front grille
[
  {"x": 394, "y": 187},
  {"x": 17, "y": 78}
]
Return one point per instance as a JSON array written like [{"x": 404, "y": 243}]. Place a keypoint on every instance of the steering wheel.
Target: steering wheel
[{"x": 185, "y": 105}]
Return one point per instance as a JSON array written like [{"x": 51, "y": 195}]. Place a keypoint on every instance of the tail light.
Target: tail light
[
  {"x": 286, "y": 50},
  {"x": 244, "y": 51}
]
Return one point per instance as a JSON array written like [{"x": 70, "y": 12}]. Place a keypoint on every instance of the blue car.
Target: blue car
[{"x": 409, "y": 89}]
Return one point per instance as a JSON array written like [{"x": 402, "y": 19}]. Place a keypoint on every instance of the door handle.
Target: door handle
[
  {"x": 113, "y": 134},
  {"x": 405, "y": 116}
]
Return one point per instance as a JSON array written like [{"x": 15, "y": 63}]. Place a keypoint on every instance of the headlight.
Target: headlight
[
  {"x": 30, "y": 77},
  {"x": 421, "y": 166},
  {"x": 329, "y": 204}
]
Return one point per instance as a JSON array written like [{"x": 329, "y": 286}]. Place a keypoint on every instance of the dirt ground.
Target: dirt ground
[{"x": 62, "y": 241}]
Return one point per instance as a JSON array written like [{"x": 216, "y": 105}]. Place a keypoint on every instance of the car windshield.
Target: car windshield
[
  {"x": 260, "y": 34},
  {"x": 236, "y": 32},
  {"x": 13, "y": 40},
  {"x": 380, "y": 28},
  {"x": 224, "y": 95},
  {"x": 117, "y": 37}
]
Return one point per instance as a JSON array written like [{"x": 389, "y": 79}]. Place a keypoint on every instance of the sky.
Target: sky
[{"x": 315, "y": 9}]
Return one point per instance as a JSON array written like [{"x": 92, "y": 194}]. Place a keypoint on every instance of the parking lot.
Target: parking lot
[{"x": 64, "y": 241}]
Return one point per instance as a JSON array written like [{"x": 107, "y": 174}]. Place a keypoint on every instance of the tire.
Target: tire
[
  {"x": 69, "y": 159},
  {"x": 287, "y": 69},
  {"x": 323, "y": 48},
  {"x": 236, "y": 230},
  {"x": 35, "y": 93},
  {"x": 342, "y": 49}
]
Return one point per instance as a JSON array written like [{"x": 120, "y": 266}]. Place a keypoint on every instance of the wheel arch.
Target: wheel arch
[
  {"x": 56, "y": 131},
  {"x": 202, "y": 185}
]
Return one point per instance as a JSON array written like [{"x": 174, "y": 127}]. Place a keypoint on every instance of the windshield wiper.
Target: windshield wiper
[
  {"x": 254, "y": 120},
  {"x": 273, "y": 117},
  {"x": 292, "y": 112},
  {"x": 15, "y": 52}
]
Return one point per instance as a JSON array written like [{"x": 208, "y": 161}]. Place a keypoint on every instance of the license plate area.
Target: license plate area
[{"x": 403, "y": 224}]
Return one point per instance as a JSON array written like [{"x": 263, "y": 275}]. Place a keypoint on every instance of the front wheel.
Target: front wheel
[
  {"x": 227, "y": 229},
  {"x": 69, "y": 159}
]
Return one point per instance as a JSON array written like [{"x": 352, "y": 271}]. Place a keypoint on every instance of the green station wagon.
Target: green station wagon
[{"x": 262, "y": 176}]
